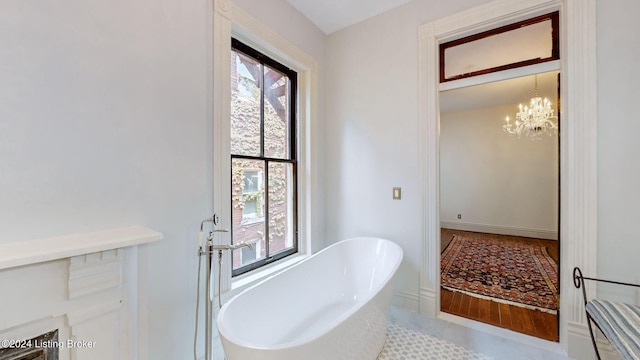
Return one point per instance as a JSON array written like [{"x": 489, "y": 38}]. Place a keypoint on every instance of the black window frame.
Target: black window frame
[{"x": 238, "y": 46}]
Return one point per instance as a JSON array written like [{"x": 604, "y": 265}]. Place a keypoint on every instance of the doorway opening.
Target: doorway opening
[{"x": 499, "y": 209}]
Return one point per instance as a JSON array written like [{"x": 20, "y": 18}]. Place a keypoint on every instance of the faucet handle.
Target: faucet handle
[
  {"x": 210, "y": 238},
  {"x": 217, "y": 231}
]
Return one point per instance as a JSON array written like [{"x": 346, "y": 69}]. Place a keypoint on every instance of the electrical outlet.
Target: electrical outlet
[{"x": 459, "y": 216}]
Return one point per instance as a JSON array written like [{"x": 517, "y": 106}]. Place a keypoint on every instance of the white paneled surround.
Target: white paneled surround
[
  {"x": 578, "y": 149},
  {"x": 83, "y": 285}
]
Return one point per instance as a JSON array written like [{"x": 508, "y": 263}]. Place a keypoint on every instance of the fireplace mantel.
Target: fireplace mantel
[
  {"x": 89, "y": 287},
  {"x": 42, "y": 250}
]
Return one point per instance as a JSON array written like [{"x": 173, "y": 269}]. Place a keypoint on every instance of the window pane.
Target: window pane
[
  {"x": 281, "y": 214},
  {"x": 245, "y": 105},
  {"x": 263, "y": 159},
  {"x": 276, "y": 114},
  {"x": 534, "y": 41},
  {"x": 248, "y": 212},
  {"x": 251, "y": 181}
]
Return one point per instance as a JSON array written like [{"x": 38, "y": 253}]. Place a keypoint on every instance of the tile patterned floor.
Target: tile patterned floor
[
  {"x": 476, "y": 341},
  {"x": 419, "y": 337},
  {"x": 407, "y": 344}
]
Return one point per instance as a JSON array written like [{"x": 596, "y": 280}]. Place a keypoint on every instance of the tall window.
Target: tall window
[{"x": 263, "y": 158}]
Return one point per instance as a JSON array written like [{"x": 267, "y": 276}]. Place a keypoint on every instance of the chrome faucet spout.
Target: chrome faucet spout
[
  {"x": 248, "y": 245},
  {"x": 209, "y": 219}
]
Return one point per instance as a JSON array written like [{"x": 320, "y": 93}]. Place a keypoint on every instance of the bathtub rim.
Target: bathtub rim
[{"x": 223, "y": 332}]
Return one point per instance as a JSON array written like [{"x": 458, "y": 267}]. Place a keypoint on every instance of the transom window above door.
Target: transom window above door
[{"x": 531, "y": 41}]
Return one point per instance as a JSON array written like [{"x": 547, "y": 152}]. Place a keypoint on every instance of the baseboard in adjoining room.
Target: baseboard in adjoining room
[{"x": 501, "y": 230}]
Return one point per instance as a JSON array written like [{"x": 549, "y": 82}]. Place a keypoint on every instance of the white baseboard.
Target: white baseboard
[
  {"x": 406, "y": 300},
  {"x": 502, "y": 230},
  {"x": 428, "y": 304},
  {"x": 580, "y": 346},
  {"x": 607, "y": 352}
]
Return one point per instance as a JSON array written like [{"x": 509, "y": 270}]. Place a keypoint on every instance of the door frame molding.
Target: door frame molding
[{"x": 578, "y": 148}]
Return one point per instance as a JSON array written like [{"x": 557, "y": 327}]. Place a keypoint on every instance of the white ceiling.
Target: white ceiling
[{"x": 333, "y": 15}]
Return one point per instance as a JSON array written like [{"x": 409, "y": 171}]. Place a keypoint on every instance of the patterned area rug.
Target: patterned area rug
[
  {"x": 504, "y": 271},
  {"x": 406, "y": 344}
]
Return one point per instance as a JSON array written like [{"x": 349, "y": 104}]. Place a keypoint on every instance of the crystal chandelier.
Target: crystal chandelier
[{"x": 534, "y": 120}]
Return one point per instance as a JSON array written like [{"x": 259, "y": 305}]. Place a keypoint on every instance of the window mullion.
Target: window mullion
[
  {"x": 266, "y": 209},
  {"x": 262, "y": 82},
  {"x": 266, "y": 163}
]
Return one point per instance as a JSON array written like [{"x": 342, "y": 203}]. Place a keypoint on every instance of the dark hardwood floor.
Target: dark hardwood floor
[{"x": 531, "y": 322}]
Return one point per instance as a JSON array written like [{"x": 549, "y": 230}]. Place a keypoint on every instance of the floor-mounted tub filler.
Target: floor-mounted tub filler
[{"x": 333, "y": 305}]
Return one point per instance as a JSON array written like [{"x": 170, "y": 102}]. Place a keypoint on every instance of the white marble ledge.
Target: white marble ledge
[{"x": 41, "y": 250}]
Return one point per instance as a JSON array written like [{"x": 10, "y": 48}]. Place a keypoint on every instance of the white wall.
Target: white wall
[
  {"x": 105, "y": 122},
  {"x": 371, "y": 128},
  {"x": 371, "y": 142},
  {"x": 618, "y": 146},
  {"x": 494, "y": 180},
  {"x": 102, "y": 113}
]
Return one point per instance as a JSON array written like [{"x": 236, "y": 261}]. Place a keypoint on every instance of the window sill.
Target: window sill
[{"x": 244, "y": 281}]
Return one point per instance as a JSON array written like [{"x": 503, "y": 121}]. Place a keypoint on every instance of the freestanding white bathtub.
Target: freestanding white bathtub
[{"x": 333, "y": 305}]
